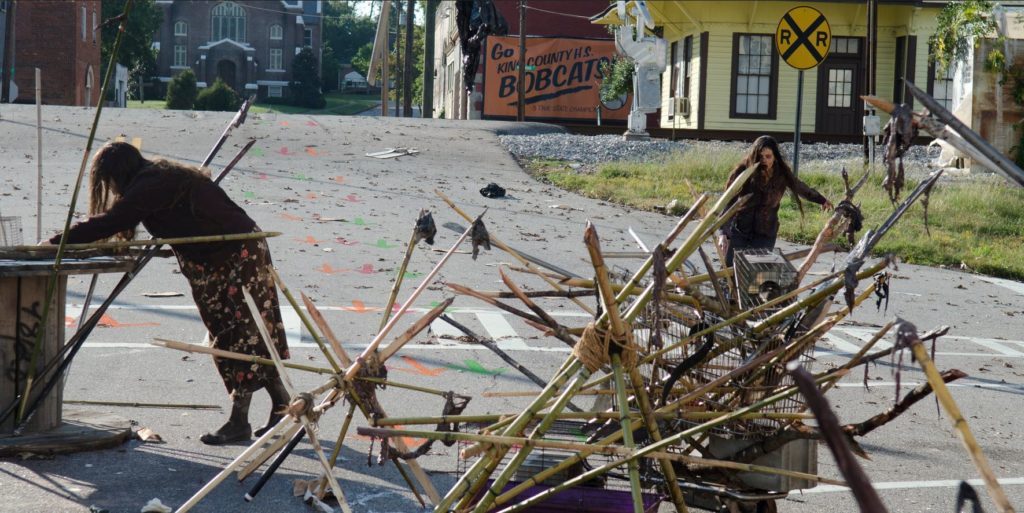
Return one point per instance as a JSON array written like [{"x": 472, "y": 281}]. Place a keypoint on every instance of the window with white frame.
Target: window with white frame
[
  {"x": 180, "y": 56},
  {"x": 276, "y": 59},
  {"x": 687, "y": 65},
  {"x": 276, "y": 32},
  {"x": 754, "y": 76},
  {"x": 307, "y": 37},
  {"x": 840, "y": 87},
  {"x": 180, "y": 28},
  {"x": 228, "y": 22},
  {"x": 942, "y": 86},
  {"x": 275, "y": 91}
]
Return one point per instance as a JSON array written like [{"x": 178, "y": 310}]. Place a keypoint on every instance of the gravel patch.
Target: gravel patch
[{"x": 589, "y": 150}]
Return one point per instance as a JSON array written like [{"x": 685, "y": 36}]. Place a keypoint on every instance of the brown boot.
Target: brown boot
[
  {"x": 278, "y": 402},
  {"x": 237, "y": 428}
]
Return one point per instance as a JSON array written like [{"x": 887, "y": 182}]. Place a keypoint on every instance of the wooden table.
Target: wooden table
[{"x": 23, "y": 284}]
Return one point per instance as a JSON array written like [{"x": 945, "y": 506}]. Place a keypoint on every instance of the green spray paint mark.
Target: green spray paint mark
[
  {"x": 383, "y": 244},
  {"x": 303, "y": 177},
  {"x": 257, "y": 151},
  {"x": 411, "y": 274},
  {"x": 249, "y": 195},
  {"x": 359, "y": 221},
  {"x": 476, "y": 368}
]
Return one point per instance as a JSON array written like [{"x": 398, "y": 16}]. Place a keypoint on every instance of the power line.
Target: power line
[{"x": 559, "y": 13}]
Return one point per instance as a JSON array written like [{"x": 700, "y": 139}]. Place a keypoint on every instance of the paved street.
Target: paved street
[{"x": 345, "y": 219}]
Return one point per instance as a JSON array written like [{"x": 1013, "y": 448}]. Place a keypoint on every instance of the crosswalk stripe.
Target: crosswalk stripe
[{"x": 501, "y": 331}]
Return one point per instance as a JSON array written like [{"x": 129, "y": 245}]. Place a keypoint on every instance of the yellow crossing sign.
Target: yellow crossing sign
[{"x": 803, "y": 37}]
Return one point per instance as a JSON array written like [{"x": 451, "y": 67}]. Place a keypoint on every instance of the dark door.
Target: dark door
[
  {"x": 840, "y": 84},
  {"x": 226, "y": 72}
]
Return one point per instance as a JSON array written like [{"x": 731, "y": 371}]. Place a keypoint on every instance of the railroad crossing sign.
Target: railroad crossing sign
[{"x": 803, "y": 37}]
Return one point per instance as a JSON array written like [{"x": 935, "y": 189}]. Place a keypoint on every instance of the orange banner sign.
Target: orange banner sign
[{"x": 562, "y": 79}]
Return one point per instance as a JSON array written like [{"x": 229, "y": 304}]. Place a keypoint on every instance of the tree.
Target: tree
[
  {"x": 181, "y": 92},
  {"x": 345, "y": 31},
  {"x": 304, "y": 88},
  {"x": 361, "y": 60},
  {"x": 136, "y": 52}
]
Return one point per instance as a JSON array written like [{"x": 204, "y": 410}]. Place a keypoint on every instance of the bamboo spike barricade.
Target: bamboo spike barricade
[{"x": 714, "y": 393}]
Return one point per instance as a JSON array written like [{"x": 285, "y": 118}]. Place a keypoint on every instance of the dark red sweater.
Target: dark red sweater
[{"x": 150, "y": 199}]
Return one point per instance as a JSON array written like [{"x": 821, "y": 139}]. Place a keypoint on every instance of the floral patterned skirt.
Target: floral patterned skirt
[{"x": 217, "y": 289}]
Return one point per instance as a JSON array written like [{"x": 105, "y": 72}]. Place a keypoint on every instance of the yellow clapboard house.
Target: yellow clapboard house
[{"x": 724, "y": 78}]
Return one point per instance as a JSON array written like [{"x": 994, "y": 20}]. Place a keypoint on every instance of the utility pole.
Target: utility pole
[
  {"x": 7, "y": 72},
  {"x": 520, "y": 88},
  {"x": 407, "y": 79},
  {"x": 428, "y": 59},
  {"x": 398, "y": 55}
]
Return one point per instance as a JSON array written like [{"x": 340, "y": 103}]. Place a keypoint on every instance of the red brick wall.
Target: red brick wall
[
  {"x": 48, "y": 35},
  {"x": 540, "y": 23}
]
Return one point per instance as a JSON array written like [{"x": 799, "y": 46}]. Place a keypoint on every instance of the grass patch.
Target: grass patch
[
  {"x": 977, "y": 223},
  {"x": 338, "y": 104}
]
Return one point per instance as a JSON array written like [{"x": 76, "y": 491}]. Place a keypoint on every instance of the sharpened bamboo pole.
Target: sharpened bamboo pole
[
  {"x": 995, "y": 490},
  {"x": 501, "y": 245},
  {"x": 201, "y": 239},
  {"x": 654, "y": 447},
  {"x": 418, "y": 326},
  {"x": 321, "y": 323},
  {"x": 196, "y": 348},
  {"x": 274, "y": 447},
  {"x": 515, "y": 427},
  {"x": 622, "y": 405},
  {"x": 581, "y": 415},
  {"x": 353, "y": 369},
  {"x": 510, "y": 441},
  {"x": 261, "y": 326},
  {"x": 305, "y": 320}
]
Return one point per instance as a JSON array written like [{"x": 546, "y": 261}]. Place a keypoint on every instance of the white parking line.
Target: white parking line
[{"x": 905, "y": 485}]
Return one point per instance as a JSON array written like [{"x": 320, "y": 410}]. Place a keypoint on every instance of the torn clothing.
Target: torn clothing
[{"x": 759, "y": 217}]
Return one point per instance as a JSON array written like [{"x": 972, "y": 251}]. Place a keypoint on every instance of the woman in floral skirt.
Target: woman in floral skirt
[{"x": 171, "y": 199}]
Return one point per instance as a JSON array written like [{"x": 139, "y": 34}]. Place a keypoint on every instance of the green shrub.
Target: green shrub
[
  {"x": 181, "y": 92},
  {"x": 304, "y": 89},
  {"x": 218, "y": 97}
]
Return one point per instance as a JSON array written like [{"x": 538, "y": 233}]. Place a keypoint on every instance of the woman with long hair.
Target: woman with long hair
[
  {"x": 756, "y": 224},
  {"x": 171, "y": 199}
]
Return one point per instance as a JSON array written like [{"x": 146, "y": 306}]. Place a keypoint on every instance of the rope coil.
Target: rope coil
[{"x": 598, "y": 343}]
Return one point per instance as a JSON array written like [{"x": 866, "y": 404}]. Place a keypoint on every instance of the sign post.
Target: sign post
[{"x": 803, "y": 39}]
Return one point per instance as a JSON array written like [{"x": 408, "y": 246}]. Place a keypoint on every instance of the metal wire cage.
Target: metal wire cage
[
  {"x": 10, "y": 231},
  {"x": 664, "y": 323}
]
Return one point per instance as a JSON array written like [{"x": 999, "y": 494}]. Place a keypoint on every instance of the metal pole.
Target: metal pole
[
  {"x": 410, "y": 29},
  {"x": 520, "y": 88},
  {"x": 39, "y": 156},
  {"x": 8, "y": 66},
  {"x": 796, "y": 134}
]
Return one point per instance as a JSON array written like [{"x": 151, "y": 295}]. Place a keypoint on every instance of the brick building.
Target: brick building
[
  {"x": 68, "y": 57},
  {"x": 552, "y": 19},
  {"x": 249, "y": 45}
]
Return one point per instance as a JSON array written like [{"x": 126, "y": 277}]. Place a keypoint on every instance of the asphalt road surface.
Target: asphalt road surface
[{"x": 346, "y": 219}]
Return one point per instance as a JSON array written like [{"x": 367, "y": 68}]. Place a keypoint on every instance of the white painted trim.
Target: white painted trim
[
  {"x": 200, "y": 84},
  {"x": 272, "y": 82},
  {"x": 164, "y": 79},
  {"x": 180, "y": 67},
  {"x": 251, "y": 86},
  {"x": 275, "y": 70},
  {"x": 243, "y": 46}
]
